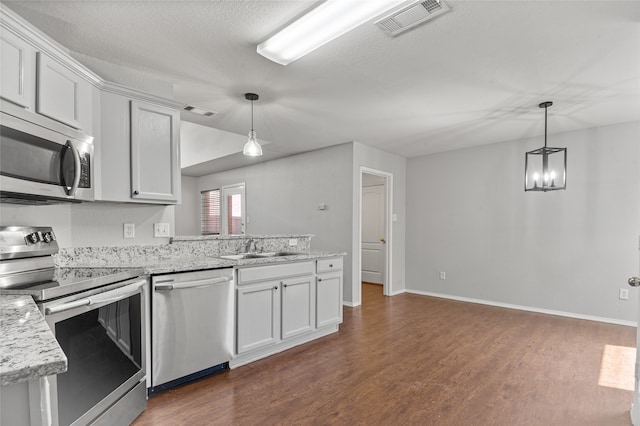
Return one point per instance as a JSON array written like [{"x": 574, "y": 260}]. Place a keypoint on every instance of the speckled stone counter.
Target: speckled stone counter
[
  {"x": 197, "y": 249},
  {"x": 181, "y": 263},
  {"x": 28, "y": 348}
]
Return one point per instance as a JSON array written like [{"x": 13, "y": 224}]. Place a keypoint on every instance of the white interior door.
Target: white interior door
[
  {"x": 373, "y": 234},
  {"x": 635, "y": 407}
]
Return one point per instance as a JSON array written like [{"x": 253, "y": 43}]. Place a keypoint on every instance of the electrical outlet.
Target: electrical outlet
[
  {"x": 624, "y": 294},
  {"x": 443, "y": 275},
  {"x": 160, "y": 230},
  {"x": 293, "y": 242},
  {"x": 129, "y": 230}
]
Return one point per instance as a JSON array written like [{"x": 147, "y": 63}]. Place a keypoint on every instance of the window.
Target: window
[
  {"x": 224, "y": 211},
  {"x": 210, "y": 224}
]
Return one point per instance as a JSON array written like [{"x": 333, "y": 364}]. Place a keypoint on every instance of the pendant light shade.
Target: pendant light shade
[
  {"x": 252, "y": 148},
  {"x": 545, "y": 169}
]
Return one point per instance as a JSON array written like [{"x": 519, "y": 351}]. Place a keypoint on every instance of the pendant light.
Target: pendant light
[
  {"x": 252, "y": 148},
  {"x": 545, "y": 169}
]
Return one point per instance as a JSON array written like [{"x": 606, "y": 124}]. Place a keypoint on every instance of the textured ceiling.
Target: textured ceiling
[{"x": 471, "y": 76}]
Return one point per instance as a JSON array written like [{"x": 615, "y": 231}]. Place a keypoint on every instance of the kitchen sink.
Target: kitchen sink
[{"x": 240, "y": 256}]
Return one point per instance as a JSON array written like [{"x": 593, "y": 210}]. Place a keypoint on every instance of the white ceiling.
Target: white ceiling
[{"x": 471, "y": 76}]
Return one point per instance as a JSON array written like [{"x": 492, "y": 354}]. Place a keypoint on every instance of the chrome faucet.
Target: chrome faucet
[{"x": 247, "y": 247}]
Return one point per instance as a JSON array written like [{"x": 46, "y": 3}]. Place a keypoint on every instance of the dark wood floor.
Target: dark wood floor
[{"x": 417, "y": 360}]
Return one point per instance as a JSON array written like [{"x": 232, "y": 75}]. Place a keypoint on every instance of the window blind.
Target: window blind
[{"x": 211, "y": 221}]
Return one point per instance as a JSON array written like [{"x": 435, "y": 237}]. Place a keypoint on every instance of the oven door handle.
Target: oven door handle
[
  {"x": 106, "y": 297},
  {"x": 168, "y": 285}
]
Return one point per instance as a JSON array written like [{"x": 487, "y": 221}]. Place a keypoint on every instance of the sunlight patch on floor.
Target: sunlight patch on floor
[{"x": 617, "y": 367}]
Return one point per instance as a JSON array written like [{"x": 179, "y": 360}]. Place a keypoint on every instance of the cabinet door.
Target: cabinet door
[
  {"x": 58, "y": 92},
  {"x": 155, "y": 161},
  {"x": 115, "y": 148},
  {"x": 297, "y": 306},
  {"x": 258, "y": 315},
  {"x": 328, "y": 299},
  {"x": 17, "y": 70}
]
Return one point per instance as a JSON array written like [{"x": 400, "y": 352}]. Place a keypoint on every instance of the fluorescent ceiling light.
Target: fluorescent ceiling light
[
  {"x": 199, "y": 111},
  {"x": 330, "y": 20}
]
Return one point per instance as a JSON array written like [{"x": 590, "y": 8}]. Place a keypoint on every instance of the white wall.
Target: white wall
[
  {"x": 92, "y": 224},
  {"x": 379, "y": 160},
  {"x": 568, "y": 251},
  {"x": 189, "y": 209},
  {"x": 283, "y": 196}
]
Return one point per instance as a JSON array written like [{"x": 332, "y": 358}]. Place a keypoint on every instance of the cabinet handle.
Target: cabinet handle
[
  {"x": 275, "y": 288},
  {"x": 136, "y": 193},
  {"x": 331, "y": 265},
  {"x": 319, "y": 279},
  {"x": 284, "y": 285}
]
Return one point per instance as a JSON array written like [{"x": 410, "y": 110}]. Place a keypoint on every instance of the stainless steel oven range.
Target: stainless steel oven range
[{"x": 98, "y": 318}]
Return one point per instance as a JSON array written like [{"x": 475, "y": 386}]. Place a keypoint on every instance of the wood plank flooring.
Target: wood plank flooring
[{"x": 418, "y": 360}]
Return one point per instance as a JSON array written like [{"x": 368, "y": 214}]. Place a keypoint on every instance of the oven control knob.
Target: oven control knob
[
  {"x": 33, "y": 238},
  {"x": 48, "y": 237}
]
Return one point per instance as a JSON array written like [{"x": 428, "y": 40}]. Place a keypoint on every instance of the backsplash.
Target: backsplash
[{"x": 185, "y": 247}]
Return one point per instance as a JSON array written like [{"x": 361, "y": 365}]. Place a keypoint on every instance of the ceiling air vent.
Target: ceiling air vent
[
  {"x": 199, "y": 111},
  {"x": 411, "y": 16}
]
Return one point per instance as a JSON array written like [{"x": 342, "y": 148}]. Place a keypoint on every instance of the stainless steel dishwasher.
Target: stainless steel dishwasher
[{"x": 192, "y": 325}]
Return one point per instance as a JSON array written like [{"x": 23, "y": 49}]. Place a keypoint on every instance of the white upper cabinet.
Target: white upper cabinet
[
  {"x": 136, "y": 135},
  {"x": 39, "y": 75},
  {"x": 17, "y": 70},
  {"x": 140, "y": 159},
  {"x": 155, "y": 160},
  {"x": 59, "y": 91}
]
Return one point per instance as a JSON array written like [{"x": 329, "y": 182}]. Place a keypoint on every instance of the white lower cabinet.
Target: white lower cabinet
[
  {"x": 298, "y": 306},
  {"x": 258, "y": 315},
  {"x": 274, "y": 303},
  {"x": 283, "y": 305},
  {"x": 328, "y": 299}
]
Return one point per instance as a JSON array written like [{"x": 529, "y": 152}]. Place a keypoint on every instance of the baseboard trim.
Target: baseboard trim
[
  {"x": 526, "y": 308},
  {"x": 350, "y": 304},
  {"x": 254, "y": 355}
]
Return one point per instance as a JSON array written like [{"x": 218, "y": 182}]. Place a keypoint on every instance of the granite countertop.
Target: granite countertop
[
  {"x": 237, "y": 237},
  {"x": 180, "y": 263},
  {"x": 28, "y": 348}
]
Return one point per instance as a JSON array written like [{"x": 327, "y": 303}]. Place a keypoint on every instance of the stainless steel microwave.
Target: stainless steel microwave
[{"x": 42, "y": 161}]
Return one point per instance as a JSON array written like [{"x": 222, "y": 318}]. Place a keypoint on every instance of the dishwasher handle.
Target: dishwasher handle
[
  {"x": 106, "y": 297},
  {"x": 170, "y": 285}
]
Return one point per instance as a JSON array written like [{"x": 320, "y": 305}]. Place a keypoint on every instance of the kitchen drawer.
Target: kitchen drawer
[
  {"x": 263, "y": 273},
  {"x": 329, "y": 265}
]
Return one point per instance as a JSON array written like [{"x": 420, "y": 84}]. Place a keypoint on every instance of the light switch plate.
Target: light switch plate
[{"x": 160, "y": 230}]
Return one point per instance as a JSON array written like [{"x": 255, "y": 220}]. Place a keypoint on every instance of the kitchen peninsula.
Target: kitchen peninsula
[{"x": 281, "y": 282}]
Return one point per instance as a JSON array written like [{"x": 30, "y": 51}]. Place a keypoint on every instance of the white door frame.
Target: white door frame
[
  {"x": 388, "y": 212},
  {"x": 237, "y": 188},
  {"x": 635, "y": 405}
]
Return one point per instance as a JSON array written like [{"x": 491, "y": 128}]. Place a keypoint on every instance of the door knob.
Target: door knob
[
  {"x": 634, "y": 281},
  {"x": 382, "y": 240}
]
